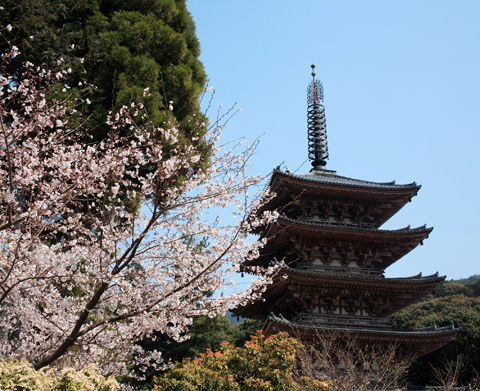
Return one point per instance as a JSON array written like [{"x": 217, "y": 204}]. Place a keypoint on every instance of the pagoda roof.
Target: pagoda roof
[
  {"x": 281, "y": 232},
  {"x": 426, "y": 331},
  {"x": 417, "y": 341},
  {"x": 311, "y": 224},
  {"x": 318, "y": 229},
  {"x": 328, "y": 178},
  {"x": 406, "y": 290},
  {"x": 390, "y": 196},
  {"x": 319, "y": 278}
]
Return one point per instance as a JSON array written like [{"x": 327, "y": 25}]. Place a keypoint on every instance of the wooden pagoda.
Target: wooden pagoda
[{"x": 334, "y": 254}]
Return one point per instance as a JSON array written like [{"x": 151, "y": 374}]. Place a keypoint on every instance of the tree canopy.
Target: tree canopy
[
  {"x": 119, "y": 46},
  {"x": 453, "y": 302},
  {"x": 263, "y": 364}
]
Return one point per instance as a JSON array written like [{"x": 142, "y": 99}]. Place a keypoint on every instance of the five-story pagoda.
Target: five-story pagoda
[{"x": 334, "y": 254}]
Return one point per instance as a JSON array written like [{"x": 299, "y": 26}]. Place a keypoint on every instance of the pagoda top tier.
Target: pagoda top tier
[
  {"x": 330, "y": 178},
  {"x": 374, "y": 202}
]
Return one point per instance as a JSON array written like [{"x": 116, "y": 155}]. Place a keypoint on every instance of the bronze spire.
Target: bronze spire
[{"x": 316, "y": 124}]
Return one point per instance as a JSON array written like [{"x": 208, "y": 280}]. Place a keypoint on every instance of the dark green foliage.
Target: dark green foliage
[
  {"x": 469, "y": 280},
  {"x": 455, "y": 303},
  {"x": 246, "y": 329},
  {"x": 121, "y": 47},
  {"x": 205, "y": 333},
  {"x": 452, "y": 288},
  {"x": 127, "y": 46},
  {"x": 456, "y": 288}
]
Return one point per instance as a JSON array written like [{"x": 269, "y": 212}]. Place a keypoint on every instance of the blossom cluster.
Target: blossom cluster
[{"x": 99, "y": 240}]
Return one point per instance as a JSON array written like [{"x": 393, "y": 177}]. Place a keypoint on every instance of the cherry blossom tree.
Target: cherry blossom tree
[{"x": 83, "y": 276}]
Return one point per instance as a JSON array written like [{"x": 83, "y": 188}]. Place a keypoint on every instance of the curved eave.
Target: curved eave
[
  {"x": 417, "y": 342},
  {"x": 337, "y": 183},
  {"x": 425, "y": 332},
  {"x": 407, "y": 290},
  {"x": 326, "y": 230},
  {"x": 390, "y": 196},
  {"x": 280, "y": 233},
  {"x": 324, "y": 279},
  {"x": 357, "y": 229}
]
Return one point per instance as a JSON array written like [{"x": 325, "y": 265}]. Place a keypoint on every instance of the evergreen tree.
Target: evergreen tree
[{"x": 124, "y": 46}]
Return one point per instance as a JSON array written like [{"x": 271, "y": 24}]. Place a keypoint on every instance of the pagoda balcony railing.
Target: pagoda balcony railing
[
  {"x": 344, "y": 223},
  {"x": 342, "y": 270},
  {"x": 344, "y": 320}
]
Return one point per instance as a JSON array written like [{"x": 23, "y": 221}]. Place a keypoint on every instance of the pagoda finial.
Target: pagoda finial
[{"x": 316, "y": 124}]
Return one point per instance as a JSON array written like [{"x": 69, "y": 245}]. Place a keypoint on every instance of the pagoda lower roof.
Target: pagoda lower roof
[{"x": 417, "y": 342}]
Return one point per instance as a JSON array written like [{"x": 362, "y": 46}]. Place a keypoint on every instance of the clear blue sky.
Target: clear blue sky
[{"x": 402, "y": 101}]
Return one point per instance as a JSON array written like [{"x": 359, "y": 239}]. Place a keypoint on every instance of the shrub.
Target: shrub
[
  {"x": 21, "y": 376},
  {"x": 264, "y": 364}
]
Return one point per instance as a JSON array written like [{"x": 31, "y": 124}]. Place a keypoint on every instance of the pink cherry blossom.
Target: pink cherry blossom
[{"x": 83, "y": 276}]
